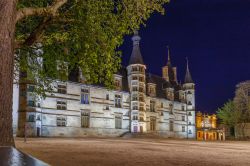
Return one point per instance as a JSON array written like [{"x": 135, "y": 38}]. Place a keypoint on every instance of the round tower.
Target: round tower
[
  {"x": 136, "y": 81},
  {"x": 189, "y": 89}
]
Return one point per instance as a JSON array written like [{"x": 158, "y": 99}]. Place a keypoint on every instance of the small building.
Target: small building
[{"x": 206, "y": 127}]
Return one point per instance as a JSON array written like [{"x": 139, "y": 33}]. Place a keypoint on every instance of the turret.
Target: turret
[
  {"x": 189, "y": 90},
  {"x": 136, "y": 81},
  {"x": 169, "y": 73}
]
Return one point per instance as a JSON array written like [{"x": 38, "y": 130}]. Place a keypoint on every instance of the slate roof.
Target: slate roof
[
  {"x": 188, "y": 78},
  {"x": 136, "y": 57}
]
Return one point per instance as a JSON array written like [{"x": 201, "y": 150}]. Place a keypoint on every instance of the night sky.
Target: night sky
[{"x": 213, "y": 34}]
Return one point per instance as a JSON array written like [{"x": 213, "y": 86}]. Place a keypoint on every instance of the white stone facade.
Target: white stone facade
[{"x": 149, "y": 104}]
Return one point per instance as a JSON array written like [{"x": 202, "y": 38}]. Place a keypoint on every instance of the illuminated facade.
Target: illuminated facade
[
  {"x": 141, "y": 103},
  {"x": 206, "y": 126}
]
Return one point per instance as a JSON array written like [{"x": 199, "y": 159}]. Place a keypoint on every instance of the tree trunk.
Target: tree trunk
[{"x": 7, "y": 30}]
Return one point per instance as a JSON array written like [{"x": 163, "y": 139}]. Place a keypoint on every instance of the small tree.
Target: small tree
[{"x": 228, "y": 114}]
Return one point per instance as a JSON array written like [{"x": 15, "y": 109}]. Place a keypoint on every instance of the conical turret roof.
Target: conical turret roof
[
  {"x": 188, "y": 77},
  {"x": 136, "y": 57}
]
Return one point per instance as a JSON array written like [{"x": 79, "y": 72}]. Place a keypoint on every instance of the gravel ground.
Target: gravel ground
[{"x": 135, "y": 152}]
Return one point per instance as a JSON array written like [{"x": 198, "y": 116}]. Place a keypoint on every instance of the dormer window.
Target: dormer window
[
  {"x": 151, "y": 90},
  {"x": 62, "y": 68},
  {"x": 170, "y": 94},
  {"x": 118, "y": 82}
]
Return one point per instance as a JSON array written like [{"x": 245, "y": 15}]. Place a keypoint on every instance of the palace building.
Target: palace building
[
  {"x": 206, "y": 126},
  {"x": 141, "y": 103}
]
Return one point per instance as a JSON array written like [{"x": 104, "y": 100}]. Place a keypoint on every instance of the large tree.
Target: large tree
[
  {"x": 84, "y": 33},
  {"x": 242, "y": 107}
]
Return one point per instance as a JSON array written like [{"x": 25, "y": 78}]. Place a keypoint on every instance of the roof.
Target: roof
[
  {"x": 188, "y": 78},
  {"x": 136, "y": 57}
]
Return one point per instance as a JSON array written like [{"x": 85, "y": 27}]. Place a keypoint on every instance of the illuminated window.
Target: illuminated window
[{"x": 84, "y": 96}]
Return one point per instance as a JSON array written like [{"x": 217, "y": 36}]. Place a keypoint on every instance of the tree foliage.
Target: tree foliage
[
  {"x": 83, "y": 33},
  {"x": 228, "y": 114}
]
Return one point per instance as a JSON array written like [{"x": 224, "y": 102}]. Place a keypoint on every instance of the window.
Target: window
[
  {"x": 61, "y": 89},
  {"x": 189, "y": 123},
  {"x": 107, "y": 96},
  {"x": 183, "y": 129},
  {"x": 183, "y": 118},
  {"x": 135, "y": 117},
  {"x": 134, "y": 78},
  {"x": 84, "y": 96},
  {"x": 118, "y": 84},
  {"x": 141, "y": 108},
  {"x": 61, "y": 120},
  {"x": 161, "y": 105},
  {"x": 171, "y": 108},
  {"x": 85, "y": 119},
  {"x": 134, "y": 97},
  {"x": 151, "y": 90},
  {"x": 152, "y": 123},
  {"x": 118, "y": 122},
  {"x": 189, "y": 114},
  {"x": 118, "y": 101},
  {"x": 31, "y": 103},
  {"x": 141, "y": 79},
  {"x": 62, "y": 68},
  {"x": 152, "y": 106},
  {"x": 61, "y": 105},
  {"x": 183, "y": 108},
  {"x": 141, "y": 69},
  {"x": 189, "y": 103},
  {"x": 141, "y": 98},
  {"x": 141, "y": 89},
  {"x": 31, "y": 118},
  {"x": 135, "y": 88},
  {"x": 134, "y": 68},
  {"x": 162, "y": 114},
  {"x": 31, "y": 88},
  {"x": 135, "y": 106},
  {"x": 141, "y": 118},
  {"x": 189, "y": 132},
  {"x": 171, "y": 126},
  {"x": 106, "y": 107}
]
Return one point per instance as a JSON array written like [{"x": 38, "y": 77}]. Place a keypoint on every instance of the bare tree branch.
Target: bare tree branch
[{"x": 44, "y": 11}]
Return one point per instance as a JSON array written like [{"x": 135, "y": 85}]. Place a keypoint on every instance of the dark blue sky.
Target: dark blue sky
[{"x": 213, "y": 34}]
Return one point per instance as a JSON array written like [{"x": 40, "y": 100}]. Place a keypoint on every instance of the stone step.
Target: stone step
[{"x": 10, "y": 156}]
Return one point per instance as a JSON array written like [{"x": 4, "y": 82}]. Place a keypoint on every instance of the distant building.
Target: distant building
[
  {"x": 206, "y": 127},
  {"x": 141, "y": 103}
]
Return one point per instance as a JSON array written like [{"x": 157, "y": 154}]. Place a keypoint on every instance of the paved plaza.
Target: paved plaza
[{"x": 135, "y": 152}]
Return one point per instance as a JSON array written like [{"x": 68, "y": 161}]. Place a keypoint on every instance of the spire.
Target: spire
[
  {"x": 136, "y": 57},
  {"x": 169, "y": 60},
  {"x": 188, "y": 78}
]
